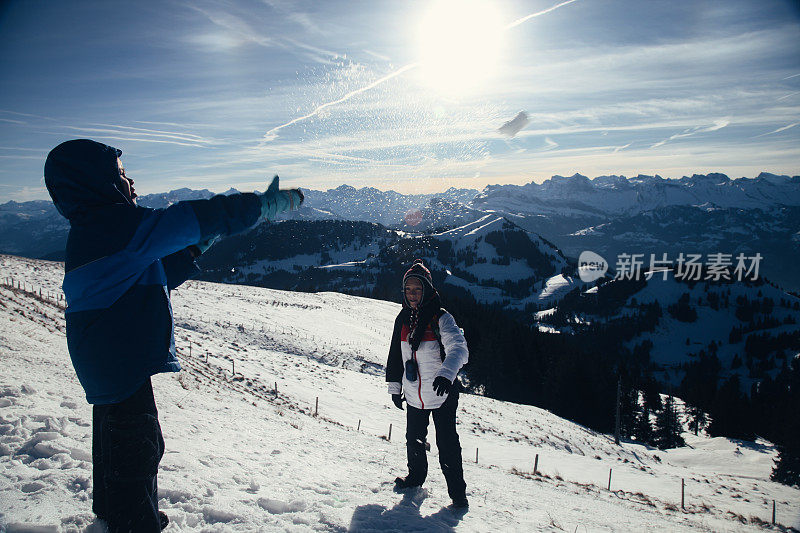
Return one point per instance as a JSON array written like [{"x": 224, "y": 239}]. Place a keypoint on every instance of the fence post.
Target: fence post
[
  {"x": 190, "y": 349},
  {"x": 536, "y": 464},
  {"x": 390, "y": 432},
  {"x": 276, "y": 388},
  {"x": 233, "y": 362},
  {"x": 773, "y": 512},
  {"x": 609, "y": 478},
  {"x": 316, "y": 407},
  {"x": 683, "y": 494},
  {"x": 359, "y": 425},
  {"x": 476, "y": 455}
]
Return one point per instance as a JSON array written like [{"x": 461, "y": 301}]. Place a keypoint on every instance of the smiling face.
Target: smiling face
[
  {"x": 126, "y": 184},
  {"x": 413, "y": 290}
]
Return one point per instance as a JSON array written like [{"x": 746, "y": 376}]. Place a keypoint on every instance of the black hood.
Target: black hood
[{"x": 81, "y": 175}]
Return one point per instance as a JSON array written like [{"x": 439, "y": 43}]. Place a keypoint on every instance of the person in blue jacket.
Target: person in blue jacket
[{"x": 121, "y": 262}]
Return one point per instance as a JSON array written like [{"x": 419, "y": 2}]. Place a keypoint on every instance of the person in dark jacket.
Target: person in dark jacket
[
  {"x": 426, "y": 352},
  {"x": 122, "y": 261}
]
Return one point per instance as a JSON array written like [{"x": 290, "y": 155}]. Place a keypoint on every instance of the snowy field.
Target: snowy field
[{"x": 242, "y": 456}]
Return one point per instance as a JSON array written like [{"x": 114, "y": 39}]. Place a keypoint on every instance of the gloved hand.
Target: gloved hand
[
  {"x": 276, "y": 200},
  {"x": 398, "y": 401},
  {"x": 441, "y": 385}
]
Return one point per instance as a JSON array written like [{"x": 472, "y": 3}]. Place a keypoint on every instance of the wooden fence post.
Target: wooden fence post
[
  {"x": 683, "y": 494},
  {"x": 316, "y": 407},
  {"x": 359, "y": 425},
  {"x": 390, "y": 432},
  {"x": 609, "y": 478},
  {"x": 536, "y": 464},
  {"x": 773, "y": 512},
  {"x": 233, "y": 362},
  {"x": 476, "y": 455}
]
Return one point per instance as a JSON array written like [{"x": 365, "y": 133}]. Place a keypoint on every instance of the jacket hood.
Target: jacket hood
[
  {"x": 419, "y": 271},
  {"x": 81, "y": 175}
]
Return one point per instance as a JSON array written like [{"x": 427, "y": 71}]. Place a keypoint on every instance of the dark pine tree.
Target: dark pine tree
[
  {"x": 643, "y": 431},
  {"x": 668, "y": 426}
]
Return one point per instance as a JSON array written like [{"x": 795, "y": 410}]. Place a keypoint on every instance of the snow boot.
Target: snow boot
[
  {"x": 460, "y": 502},
  {"x": 406, "y": 482},
  {"x": 163, "y": 519}
]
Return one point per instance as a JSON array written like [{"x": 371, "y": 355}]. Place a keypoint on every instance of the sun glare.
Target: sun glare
[{"x": 459, "y": 44}]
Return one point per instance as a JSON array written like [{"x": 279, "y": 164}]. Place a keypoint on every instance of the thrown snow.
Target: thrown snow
[{"x": 241, "y": 457}]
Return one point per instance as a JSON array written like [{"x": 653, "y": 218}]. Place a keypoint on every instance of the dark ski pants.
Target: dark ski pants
[
  {"x": 444, "y": 420},
  {"x": 127, "y": 446}
]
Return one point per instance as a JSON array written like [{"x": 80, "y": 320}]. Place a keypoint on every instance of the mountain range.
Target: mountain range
[{"x": 609, "y": 215}]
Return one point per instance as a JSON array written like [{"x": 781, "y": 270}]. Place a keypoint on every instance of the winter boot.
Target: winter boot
[
  {"x": 406, "y": 482},
  {"x": 163, "y": 518},
  {"x": 460, "y": 502}
]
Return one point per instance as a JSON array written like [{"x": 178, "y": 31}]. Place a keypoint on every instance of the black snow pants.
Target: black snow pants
[
  {"x": 127, "y": 446},
  {"x": 444, "y": 420}
]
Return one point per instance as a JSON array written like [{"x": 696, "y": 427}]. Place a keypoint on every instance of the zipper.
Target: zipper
[{"x": 419, "y": 379}]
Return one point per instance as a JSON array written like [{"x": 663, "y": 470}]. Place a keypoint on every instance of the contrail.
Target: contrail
[
  {"x": 344, "y": 98},
  {"x": 539, "y": 14},
  {"x": 268, "y": 135}
]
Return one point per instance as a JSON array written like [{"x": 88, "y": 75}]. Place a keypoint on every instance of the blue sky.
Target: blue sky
[{"x": 197, "y": 93}]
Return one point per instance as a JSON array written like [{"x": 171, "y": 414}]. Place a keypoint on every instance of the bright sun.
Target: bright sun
[{"x": 460, "y": 43}]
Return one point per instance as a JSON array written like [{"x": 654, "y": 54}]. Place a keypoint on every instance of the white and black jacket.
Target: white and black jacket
[{"x": 432, "y": 360}]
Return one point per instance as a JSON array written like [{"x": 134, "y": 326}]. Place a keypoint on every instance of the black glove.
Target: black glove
[
  {"x": 441, "y": 385},
  {"x": 398, "y": 401}
]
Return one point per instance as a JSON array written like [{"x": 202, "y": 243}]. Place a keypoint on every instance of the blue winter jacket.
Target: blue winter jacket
[{"x": 121, "y": 262}]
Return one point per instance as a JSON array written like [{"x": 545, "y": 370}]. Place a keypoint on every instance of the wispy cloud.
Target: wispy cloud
[
  {"x": 621, "y": 148},
  {"x": 237, "y": 25},
  {"x": 788, "y": 95},
  {"x": 550, "y": 144},
  {"x": 784, "y": 128},
  {"x": 239, "y": 29},
  {"x": 376, "y": 55},
  {"x": 694, "y": 131},
  {"x": 113, "y": 131}
]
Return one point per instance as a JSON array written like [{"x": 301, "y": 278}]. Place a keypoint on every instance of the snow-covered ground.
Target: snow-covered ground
[{"x": 242, "y": 458}]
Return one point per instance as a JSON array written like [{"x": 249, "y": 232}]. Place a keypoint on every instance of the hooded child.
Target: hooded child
[
  {"x": 426, "y": 352},
  {"x": 122, "y": 260}
]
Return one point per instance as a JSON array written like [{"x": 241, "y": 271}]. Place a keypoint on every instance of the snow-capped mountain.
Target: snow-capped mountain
[
  {"x": 617, "y": 195},
  {"x": 750, "y": 329},
  {"x": 162, "y": 200},
  {"x": 372, "y": 205},
  {"x": 35, "y": 229},
  {"x": 609, "y": 215},
  {"x": 246, "y": 451},
  {"x": 490, "y": 260}
]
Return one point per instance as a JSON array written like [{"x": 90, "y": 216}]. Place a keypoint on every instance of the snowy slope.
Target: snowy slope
[{"x": 242, "y": 458}]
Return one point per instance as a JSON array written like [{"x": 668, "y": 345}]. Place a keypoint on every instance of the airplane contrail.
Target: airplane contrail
[
  {"x": 342, "y": 99},
  {"x": 538, "y": 14},
  {"x": 268, "y": 136}
]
